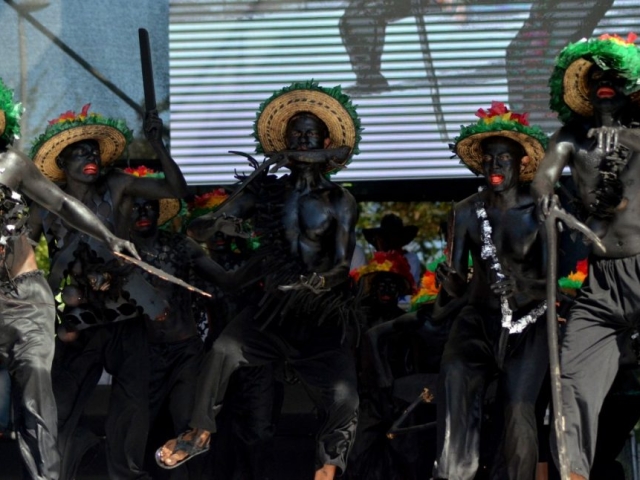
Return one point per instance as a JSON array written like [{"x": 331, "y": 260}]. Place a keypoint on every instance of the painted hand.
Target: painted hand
[
  {"x": 505, "y": 287},
  {"x": 123, "y": 246},
  {"x": 546, "y": 202},
  {"x": 450, "y": 280},
  {"x": 152, "y": 127},
  {"x": 607, "y": 137},
  {"x": 231, "y": 226},
  {"x": 313, "y": 282}
]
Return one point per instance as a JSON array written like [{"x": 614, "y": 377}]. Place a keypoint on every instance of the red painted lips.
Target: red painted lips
[
  {"x": 606, "y": 92},
  {"x": 90, "y": 169},
  {"x": 496, "y": 179}
]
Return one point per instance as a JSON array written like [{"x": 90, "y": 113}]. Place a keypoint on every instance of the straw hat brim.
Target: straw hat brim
[
  {"x": 575, "y": 87},
  {"x": 168, "y": 208},
  {"x": 112, "y": 144},
  {"x": 470, "y": 151},
  {"x": 271, "y": 126},
  {"x": 3, "y": 122}
]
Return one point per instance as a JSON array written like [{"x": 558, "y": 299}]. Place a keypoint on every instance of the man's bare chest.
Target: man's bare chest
[
  {"x": 513, "y": 232},
  {"x": 310, "y": 216}
]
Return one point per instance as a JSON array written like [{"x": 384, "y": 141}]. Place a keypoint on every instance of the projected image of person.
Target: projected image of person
[
  {"x": 363, "y": 27},
  {"x": 502, "y": 330},
  {"x": 530, "y": 55},
  {"x": 594, "y": 90},
  {"x": 306, "y": 223}
]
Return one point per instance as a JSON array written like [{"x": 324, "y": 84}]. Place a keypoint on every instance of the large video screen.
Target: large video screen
[{"x": 417, "y": 69}]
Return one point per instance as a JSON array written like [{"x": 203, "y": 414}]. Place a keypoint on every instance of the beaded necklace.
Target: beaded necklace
[{"x": 488, "y": 251}]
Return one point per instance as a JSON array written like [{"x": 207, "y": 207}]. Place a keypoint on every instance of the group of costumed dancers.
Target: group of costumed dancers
[{"x": 273, "y": 259}]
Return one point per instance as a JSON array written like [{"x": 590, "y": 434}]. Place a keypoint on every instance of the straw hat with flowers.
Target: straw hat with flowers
[
  {"x": 168, "y": 207},
  {"x": 330, "y": 105},
  {"x": 498, "y": 121},
  {"x": 112, "y": 135},
  {"x": 569, "y": 80},
  {"x": 10, "y": 113}
]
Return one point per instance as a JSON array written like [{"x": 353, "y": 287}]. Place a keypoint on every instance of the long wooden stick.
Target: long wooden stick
[{"x": 556, "y": 214}]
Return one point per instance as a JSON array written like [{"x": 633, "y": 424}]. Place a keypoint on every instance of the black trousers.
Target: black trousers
[
  {"x": 468, "y": 364},
  {"x": 27, "y": 321},
  {"x": 121, "y": 349},
  {"x": 597, "y": 341},
  {"x": 174, "y": 373},
  {"x": 323, "y": 363},
  {"x": 244, "y": 446}
]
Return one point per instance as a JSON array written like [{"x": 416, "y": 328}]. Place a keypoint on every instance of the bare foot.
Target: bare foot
[
  {"x": 171, "y": 456},
  {"x": 327, "y": 472}
]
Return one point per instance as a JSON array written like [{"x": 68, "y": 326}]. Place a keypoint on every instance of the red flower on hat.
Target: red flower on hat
[
  {"x": 209, "y": 199},
  {"x": 140, "y": 171},
  {"x": 583, "y": 266},
  {"x": 631, "y": 38},
  {"x": 70, "y": 115},
  {"x": 499, "y": 111}
]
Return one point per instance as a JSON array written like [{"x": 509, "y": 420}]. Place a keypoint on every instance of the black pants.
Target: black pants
[
  {"x": 324, "y": 364},
  {"x": 244, "y": 446},
  {"x": 27, "y": 322},
  {"x": 597, "y": 341},
  {"x": 121, "y": 349},
  {"x": 174, "y": 373},
  {"x": 469, "y": 362}
]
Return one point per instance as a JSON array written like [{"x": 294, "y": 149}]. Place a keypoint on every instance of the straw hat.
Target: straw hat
[
  {"x": 10, "y": 113},
  {"x": 112, "y": 136},
  {"x": 569, "y": 82},
  {"x": 331, "y": 106},
  {"x": 498, "y": 121},
  {"x": 168, "y": 207}
]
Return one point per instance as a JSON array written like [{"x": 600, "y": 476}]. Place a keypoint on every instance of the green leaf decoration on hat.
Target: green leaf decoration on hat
[
  {"x": 335, "y": 93},
  {"x": 609, "y": 52},
  {"x": 12, "y": 113},
  {"x": 498, "y": 118},
  {"x": 70, "y": 119}
]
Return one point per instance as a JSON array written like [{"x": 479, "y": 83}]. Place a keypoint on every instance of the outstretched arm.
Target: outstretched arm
[
  {"x": 34, "y": 185},
  {"x": 227, "y": 219}
]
